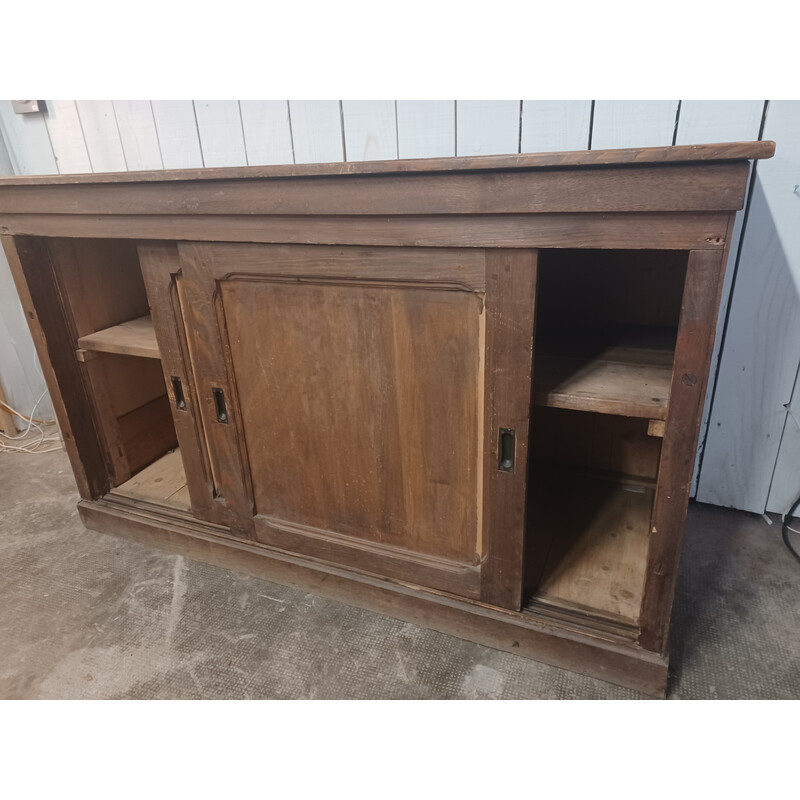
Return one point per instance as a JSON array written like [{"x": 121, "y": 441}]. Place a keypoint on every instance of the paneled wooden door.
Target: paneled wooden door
[{"x": 369, "y": 406}]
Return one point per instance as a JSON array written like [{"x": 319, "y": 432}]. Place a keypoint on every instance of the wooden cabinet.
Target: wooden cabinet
[{"x": 464, "y": 392}]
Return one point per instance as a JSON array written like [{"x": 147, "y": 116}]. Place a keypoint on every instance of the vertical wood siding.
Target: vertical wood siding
[{"x": 751, "y": 457}]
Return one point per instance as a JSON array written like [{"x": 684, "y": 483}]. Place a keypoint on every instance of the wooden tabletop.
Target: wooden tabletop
[{"x": 729, "y": 151}]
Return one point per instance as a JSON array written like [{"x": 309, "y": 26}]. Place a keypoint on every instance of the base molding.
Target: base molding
[{"x": 588, "y": 653}]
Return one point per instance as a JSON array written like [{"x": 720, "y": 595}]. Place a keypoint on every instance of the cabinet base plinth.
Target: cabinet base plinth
[{"x": 596, "y": 655}]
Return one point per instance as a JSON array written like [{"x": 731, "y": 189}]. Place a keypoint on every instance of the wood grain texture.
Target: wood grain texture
[
  {"x": 716, "y": 187},
  {"x": 161, "y": 483},
  {"x": 633, "y": 123},
  {"x": 426, "y": 128},
  {"x": 510, "y": 291},
  {"x": 370, "y": 129},
  {"x": 161, "y": 269},
  {"x": 553, "y": 125},
  {"x": 328, "y": 384},
  {"x": 612, "y": 381},
  {"x": 669, "y": 231},
  {"x": 357, "y": 471},
  {"x": 36, "y": 284},
  {"x": 690, "y": 374},
  {"x": 134, "y": 338},
  {"x": 173, "y": 118},
  {"x": 267, "y": 132},
  {"x": 487, "y": 127},
  {"x": 137, "y": 132},
  {"x": 219, "y": 125},
  {"x": 598, "y": 552}
]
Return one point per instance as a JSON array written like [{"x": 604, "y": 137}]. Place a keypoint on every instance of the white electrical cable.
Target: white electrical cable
[{"x": 33, "y": 446}]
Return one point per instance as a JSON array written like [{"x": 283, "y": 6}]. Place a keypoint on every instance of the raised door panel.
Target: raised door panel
[{"x": 360, "y": 410}]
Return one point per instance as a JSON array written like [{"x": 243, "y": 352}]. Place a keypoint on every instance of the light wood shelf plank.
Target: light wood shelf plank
[
  {"x": 625, "y": 380},
  {"x": 136, "y": 337}
]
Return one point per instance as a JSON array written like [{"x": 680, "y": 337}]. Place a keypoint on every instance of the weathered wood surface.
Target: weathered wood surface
[
  {"x": 728, "y": 151},
  {"x": 668, "y": 231},
  {"x": 134, "y": 338},
  {"x": 681, "y": 187}
]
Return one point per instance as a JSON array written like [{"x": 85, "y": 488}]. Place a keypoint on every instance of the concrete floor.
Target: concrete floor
[{"x": 84, "y": 615}]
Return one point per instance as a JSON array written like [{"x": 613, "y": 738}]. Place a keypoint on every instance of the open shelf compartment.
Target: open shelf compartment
[
  {"x": 134, "y": 338},
  {"x": 606, "y": 329}
]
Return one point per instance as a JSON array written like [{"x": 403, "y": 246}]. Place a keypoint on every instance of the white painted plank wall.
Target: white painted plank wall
[
  {"x": 487, "y": 127},
  {"x": 178, "y": 138},
  {"x": 219, "y": 124},
  {"x": 267, "y": 131},
  {"x": 633, "y": 123},
  {"x": 710, "y": 121},
  {"x": 555, "y": 125},
  {"x": 66, "y": 136},
  {"x": 316, "y": 130},
  {"x": 426, "y": 128},
  {"x": 761, "y": 351},
  {"x": 137, "y": 131},
  {"x": 102, "y": 135},
  {"x": 785, "y": 487},
  {"x": 370, "y": 129}
]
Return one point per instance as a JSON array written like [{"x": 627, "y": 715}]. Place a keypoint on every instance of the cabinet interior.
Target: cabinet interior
[
  {"x": 103, "y": 292},
  {"x": 606, "y": 329}
]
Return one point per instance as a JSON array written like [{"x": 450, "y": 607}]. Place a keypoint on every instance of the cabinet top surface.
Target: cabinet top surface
[{"x": 731, "y": 151}]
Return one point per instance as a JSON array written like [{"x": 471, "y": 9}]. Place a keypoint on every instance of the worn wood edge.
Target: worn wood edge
[
  {"x": 725, "y": 151},
  {"x": 635, "y": 230},
  {"x": 683, "y": 188},
  {"x": 620, "y": 663},
  {"x": 392, "y": 562}
]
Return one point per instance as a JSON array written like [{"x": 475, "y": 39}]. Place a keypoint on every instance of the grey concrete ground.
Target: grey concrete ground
[{"x": 84, "y": 615}]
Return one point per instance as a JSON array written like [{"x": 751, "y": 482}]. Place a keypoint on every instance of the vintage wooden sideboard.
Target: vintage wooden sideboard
[{"x": 462, "y": 392}]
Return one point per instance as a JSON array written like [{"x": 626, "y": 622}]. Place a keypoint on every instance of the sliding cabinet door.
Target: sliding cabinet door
[{"x": 369, "y": 407}]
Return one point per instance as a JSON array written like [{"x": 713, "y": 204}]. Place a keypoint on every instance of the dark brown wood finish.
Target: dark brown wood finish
[
  {"x": 510, "y": 297},
  {"x": 693, "y": 352},
  {"x": 36, "y": 284},
  {"x": 601, "y": 190},
  {"x": 695, "y": 153},
  {"x": 375, "y": 330},
  {"x": 670, "y": 231},
  {"x": 350, "y": 339},
  {"x": 161, "y": 269}
]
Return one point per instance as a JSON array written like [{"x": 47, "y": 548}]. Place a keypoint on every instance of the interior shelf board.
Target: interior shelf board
[
  {"x": 624, "y": 380},
  {"x": 136, "y": 337},
  {"x": 163, "y": 482},
  {"x": 595, "y": 534}
]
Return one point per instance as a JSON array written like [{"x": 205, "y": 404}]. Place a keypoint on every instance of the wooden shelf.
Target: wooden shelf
[
  {"x": 163, "y": 482},
  {"x": 589, "y": 543},
  {"x": 134, "y": 338},
  {"x": 630, "y": 377}
]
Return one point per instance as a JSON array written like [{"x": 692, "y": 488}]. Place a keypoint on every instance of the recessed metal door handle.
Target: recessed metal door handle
[
  {"x": 177, "y": 391},
  {"x": 505, "y": 449},
  {"x": 219, "y": 405}
]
